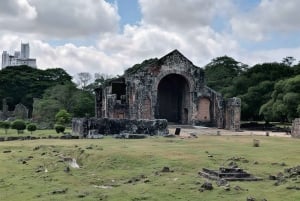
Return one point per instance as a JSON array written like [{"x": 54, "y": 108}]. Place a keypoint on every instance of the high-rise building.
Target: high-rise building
[
  {"x": 19, "y": 58},
  {"x": 25, "y": 52}
]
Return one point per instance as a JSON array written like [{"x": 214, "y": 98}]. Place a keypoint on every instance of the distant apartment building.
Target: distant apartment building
[{"x": 19, "y": 58}]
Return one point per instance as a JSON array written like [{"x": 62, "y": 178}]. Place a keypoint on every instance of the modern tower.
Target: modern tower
[{"x": 25, "y": 52}]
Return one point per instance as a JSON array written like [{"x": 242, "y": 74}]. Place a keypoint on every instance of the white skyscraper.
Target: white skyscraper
[
  {"x": 19, "y": 58},
  {"x": 5, "y": 59},
  {"x": 25, "y": 52}
]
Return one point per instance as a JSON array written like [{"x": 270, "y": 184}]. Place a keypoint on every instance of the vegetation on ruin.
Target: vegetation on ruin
[
  {"x": 135, "y": 68},
  {"x": 112, "y": 169}
]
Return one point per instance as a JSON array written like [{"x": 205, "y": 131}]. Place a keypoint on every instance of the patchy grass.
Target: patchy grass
[{"x": 114, "y": 169}]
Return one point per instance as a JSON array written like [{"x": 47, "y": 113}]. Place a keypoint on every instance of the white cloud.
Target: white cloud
[
  {"x": 182, "y": 14},
  {"x": 58, "y": 19},
  {"x": 269, "y": 16}
]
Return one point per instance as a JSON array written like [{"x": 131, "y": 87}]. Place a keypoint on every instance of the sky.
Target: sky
[{"x": 109, "y": 36}]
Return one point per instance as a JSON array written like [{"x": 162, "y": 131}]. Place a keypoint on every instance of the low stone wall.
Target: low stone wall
[
  {"x": 106, "y": 126},
  {"x": 295, "y": 131}
]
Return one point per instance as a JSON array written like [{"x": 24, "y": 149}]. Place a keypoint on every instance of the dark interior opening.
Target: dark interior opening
[
  {"x": 119, "y": 89},
  {"x": 173, "y": 99}
]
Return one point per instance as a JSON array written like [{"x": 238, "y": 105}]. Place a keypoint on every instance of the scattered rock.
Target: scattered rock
[
  {"x": 293, "y": 188},
  {"x": 36, "y": 148},
  {"x": 272, "y": 177},
  {"x": 227, "y": 187},
  {"x": 255, "y": 163},
  {"x": 207, "y": 186},
  {"x": 166, "y": 169},
  {"x": 170, "y": 136},
  {"x": 39, "y": 169},
  {"x": 238, "y": 188},
  {"x": 222, "y": 182},
  {"x": 251, "y": 199},
  {"x": 60, "y": 191},
  {"x": 67, "y": 169}
]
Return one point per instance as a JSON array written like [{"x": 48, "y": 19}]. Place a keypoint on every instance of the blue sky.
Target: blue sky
[{"x": 108, "y": 36}]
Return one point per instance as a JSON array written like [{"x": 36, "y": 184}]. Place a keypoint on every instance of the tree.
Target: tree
[
  {"x": 19, "y": 125},
  {"x": 44, "y": 111},
  {"x": 221, "y": 71},
  {"x": 288, "y": 61},
  {"x": 285, "y": 102},
  {"x": 31, "y": 128},
  {"x": 63, "y": 117},
  {"x": 84, "y": 79},
  {"x": 20, "y": 84},
  {"x": 5, "y": 125}
]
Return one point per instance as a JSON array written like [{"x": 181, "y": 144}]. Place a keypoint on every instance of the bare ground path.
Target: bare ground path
[{"x": 188, "y": 130}]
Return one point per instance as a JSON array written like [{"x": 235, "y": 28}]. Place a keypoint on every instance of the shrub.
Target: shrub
[
  {"x": 59, "y": 129},
  {"x": 5, "y": 125},
  {"x": 63, "y": 117},
  {"x": 19, "y": 125},
  {"x": 31, "y": 128}
]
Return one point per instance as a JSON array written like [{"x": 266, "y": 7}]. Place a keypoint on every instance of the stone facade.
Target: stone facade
[
  {"x": 171, "y": 88},
  {"x": 295, "y": 131}
]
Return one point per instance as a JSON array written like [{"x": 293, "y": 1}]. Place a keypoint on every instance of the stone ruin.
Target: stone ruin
[
  {"x": 93, "y": 127},
  {"x": 170, "y": 88},
  {"x": 228, "y": 174},
  {"x": 295, "y": 131},
  {"x": 20, "y": 111}
]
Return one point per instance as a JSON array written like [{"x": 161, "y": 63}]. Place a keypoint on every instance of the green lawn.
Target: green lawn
[{"x": 124, "y": 170}]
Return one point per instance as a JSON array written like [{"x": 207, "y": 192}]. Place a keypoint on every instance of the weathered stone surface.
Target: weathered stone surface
[
  {"x": 171, "y": 88},
  {"x": 105, "y": 126},
  {"x": 295, "y": 131}
]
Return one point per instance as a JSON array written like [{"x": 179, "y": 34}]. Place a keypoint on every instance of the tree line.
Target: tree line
[
  {"x": 269, "y": 91},
  {"x": 44, "y": 93}
]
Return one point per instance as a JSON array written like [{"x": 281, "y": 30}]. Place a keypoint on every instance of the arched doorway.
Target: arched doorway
[{"x": 173, "y": 99}]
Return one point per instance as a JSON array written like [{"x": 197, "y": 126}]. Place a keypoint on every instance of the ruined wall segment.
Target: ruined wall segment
[
  {"x": 233, "y": 114},
  {"x": 295, "y": 131}
]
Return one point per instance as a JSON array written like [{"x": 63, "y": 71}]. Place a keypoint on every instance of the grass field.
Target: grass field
[{"x": 115, "y": 169}]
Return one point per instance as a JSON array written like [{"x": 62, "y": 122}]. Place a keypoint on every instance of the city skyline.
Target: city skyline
[{"x": 107, "y": 37}]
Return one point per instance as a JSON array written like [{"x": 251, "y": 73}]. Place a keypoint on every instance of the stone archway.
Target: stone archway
[{"x": 173, "y": 99}]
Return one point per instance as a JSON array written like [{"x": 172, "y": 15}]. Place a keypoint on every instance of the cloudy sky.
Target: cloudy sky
[{"x": 108, "y": 36}]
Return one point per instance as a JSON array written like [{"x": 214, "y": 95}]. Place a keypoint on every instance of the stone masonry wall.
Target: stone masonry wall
[
  {"x": 106, "y": 126},
  {"x": 295, "y": 131}
]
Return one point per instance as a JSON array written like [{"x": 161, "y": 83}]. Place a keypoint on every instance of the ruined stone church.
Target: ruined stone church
[{"x": 171, "y": 88}]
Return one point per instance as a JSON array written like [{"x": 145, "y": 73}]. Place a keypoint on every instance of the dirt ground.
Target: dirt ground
[{"x": 187, "y": 130}]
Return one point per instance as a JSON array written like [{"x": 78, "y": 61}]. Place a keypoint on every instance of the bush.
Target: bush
[
  {"x": 31, "y": 128},
  {"x": 19, "y": 125},
  {"x": 5, "y": 125},
  {"x": 63, "y": 117},
  {"x": 59, "y": 129}
]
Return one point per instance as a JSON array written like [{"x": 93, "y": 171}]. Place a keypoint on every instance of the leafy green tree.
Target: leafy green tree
[
  {"x": 84, "y": 104},
  {"x": 44, "y": 111},
  {"x": 5, "y": 125},
  {"x": 285, "y": 102},
  {"x": 19, "y": 125},
  {"x": 63, "y": 117},
  {"x": 20, "y": 84},
  {"x": 221, "y": 71},
  {"x": 31, "y": 128}
]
